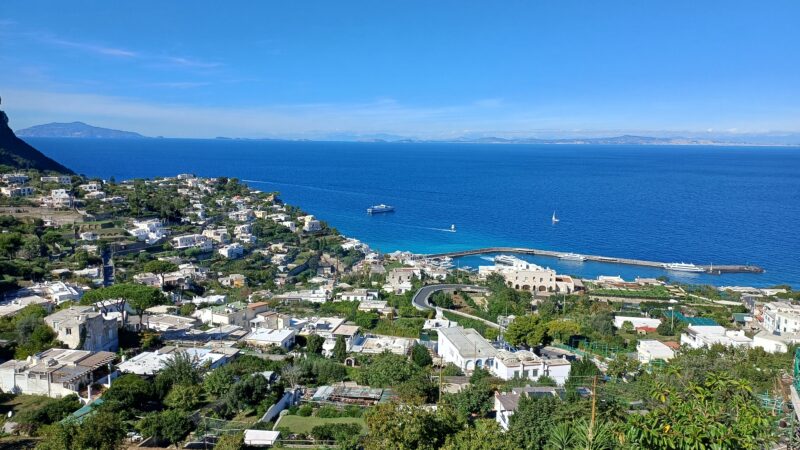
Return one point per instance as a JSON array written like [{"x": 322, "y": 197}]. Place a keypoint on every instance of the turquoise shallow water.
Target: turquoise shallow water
[{"x": 720, "y": 205}]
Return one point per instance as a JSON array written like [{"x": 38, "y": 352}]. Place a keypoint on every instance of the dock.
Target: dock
[{"x": 714, "y": 270}]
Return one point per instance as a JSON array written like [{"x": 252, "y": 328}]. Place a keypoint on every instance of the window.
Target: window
[{"x": 68, "y": 331}]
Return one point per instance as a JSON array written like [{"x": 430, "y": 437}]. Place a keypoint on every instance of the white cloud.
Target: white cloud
[{"x": 91, "y": 48}]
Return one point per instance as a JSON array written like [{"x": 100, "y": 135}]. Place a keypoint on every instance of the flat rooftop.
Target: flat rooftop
[{"x": 468, "y": 342}]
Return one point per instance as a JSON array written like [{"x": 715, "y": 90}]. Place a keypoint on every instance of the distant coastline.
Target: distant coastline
[{"x": 80, "y": 130}]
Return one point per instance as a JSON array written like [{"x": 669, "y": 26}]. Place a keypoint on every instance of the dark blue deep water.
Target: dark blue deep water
[{"x": 720, "y": 205}]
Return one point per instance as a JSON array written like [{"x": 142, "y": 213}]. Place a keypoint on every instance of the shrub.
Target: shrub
[{"x": 305, "y": 411}]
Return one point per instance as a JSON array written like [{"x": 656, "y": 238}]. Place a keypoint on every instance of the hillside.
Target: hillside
[
  {"x": 75, "y": 130},
  {"x": 15, "y": 152}
]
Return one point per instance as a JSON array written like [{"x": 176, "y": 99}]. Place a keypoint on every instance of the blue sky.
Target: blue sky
[{"x": 412, "y": 68}]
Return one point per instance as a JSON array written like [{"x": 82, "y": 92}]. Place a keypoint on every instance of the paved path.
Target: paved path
[{"x": 420, "y": 300}]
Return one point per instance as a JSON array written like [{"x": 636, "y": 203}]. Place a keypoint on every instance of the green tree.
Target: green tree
[
  {"x": 160, "y": 267},
  {"x": 184, "y": 396},
  {"x": 532, "y": 421},
  {"x": 421, "y": 356},
  {"x": 137, "y": 296},
  {"x": 219, "y": 380},
  {"x": 474, "y": 400},
  {"x": 105, "y": 431},
  {"x": 10, "y": 243},
  {"x": 387, "y": 369},
  {"x": 340, "y": 349},
  {"x": 182, "y": 368},
  {"x": 622, "y": 365},
  {"x": 563, "y": 329},
  {"x": 719, "y": 412},
  {"x": 169, "y": 426},
  {"x": 233, "y": 441},
  {"x": 485, "y": 435},
  {"x": 129, "y": 391},
  {"x": 529, "y": 330},
  {"x": 314, "y": 344},
  {"x": 404, "y": 427}
]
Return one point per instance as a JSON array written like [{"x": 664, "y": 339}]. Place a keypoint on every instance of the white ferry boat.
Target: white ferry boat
[
  {"x": 572, "y": 257},
  {"x": 683, "y": 267},
  {"x": 505, "y": 260},
  {"x": 377, "y": 209}
]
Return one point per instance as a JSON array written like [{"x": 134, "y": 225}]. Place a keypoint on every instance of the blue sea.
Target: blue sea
[{"x": 699, "y": 204}]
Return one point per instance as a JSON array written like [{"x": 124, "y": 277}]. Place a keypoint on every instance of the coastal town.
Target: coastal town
[{"x": 202, "y": 313}]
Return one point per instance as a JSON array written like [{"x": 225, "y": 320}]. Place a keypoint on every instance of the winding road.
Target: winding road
[{"x": 421, "y": 300}]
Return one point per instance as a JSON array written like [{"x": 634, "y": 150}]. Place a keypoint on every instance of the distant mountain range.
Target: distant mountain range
[
  {"x": 83, "y": 130},
  {"x": 75, "y": 130},
  {"x": 16, "y": 153}
]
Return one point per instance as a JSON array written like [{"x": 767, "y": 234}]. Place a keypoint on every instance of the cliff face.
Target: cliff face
[{"x": 17, "y": 153}]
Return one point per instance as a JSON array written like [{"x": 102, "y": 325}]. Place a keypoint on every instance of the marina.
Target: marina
[{"x": 710, "y": 269}]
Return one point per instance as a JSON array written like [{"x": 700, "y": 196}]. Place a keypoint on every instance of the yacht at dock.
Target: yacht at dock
[
  {"x": 572, "y": 257},
  {"x": 683, "y": 267}
]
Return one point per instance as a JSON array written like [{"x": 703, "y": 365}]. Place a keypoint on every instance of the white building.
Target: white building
[
  {"x": 399, "y": 280},
  {"x": 63, "y": 179},
  {"x": 307, "y": 295},
  {"x": 261, "y": 438},
  {"x": 219, "y": 235},
  {"x": 775, "y": 344},
  {"x": 15, "y": 178},
  {"x": 375, "y": 345},
  {"x": 82, "y": 328},
  {"x": 311, "y": 225},
  {"x": 781, "y": 317},
  {"x": 357, "y": 295},
  {"x": 23, "y": 298},
  {"x": 527, "y": 365},
  {"x": 650, "y": 350},
  {"x": 91, "y": 187},
  {"x": 266, "y": 337},
  {"x": 506, "y": 403},
  {"x": 465, "y": 348},
  {"x": 192, "y": 241},
  {"x": 232, "y": 251},
  {"x": 58, "y": 291},
  {"x": 525, "y": 276},
  {"x": 150, "y": 363},
  {"x": 16, "y": 191},
  {"x": 58, "y": 198},
  {"x": 56, "y": 372},
  {"x": 698, "y": 336},
  {"x": 149, "y": 231},
  {"x": 637, "y": 322},
  {"x": 169, "y": 322},
  {"x": 379, "y": 306}
]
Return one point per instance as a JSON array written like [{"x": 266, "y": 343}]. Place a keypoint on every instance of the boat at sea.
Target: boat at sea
[
  {"x": 572, "y": 257},
  {"x": 555, "y": 219},
  {"x": 683, "y": 267},
  {"x": 377, "y": 209},
  {"x": 505, "y": 260}
]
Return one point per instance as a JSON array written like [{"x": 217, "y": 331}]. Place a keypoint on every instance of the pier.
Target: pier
[{"x": 710, "y": 269}]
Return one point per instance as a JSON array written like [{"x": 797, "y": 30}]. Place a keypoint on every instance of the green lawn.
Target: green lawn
[
  {"x": 303, "y": 425},
  {"x": 20, "y": 404}
]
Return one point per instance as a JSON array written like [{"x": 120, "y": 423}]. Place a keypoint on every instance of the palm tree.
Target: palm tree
[{"x": 561, "y": 437}]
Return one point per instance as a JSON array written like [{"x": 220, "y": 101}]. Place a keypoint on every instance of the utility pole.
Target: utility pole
[{"x": 594, "y": 407}]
